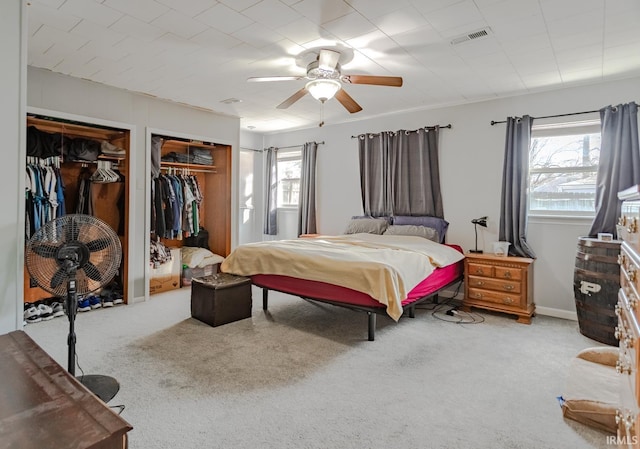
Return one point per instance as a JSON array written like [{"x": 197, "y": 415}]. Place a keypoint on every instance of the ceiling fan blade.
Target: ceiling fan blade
[
  {"x": 58, "y": 277},
  {"x": 92, "y": 272},
  {"x": 391, "y": 81},
  {"x": 98, "y": 244},
  {"x": 259, "y": 79},
  {"x": 349, "y": 103},
  {"x": 328, "y": 59},
  {"x": 48, "y": 251},
  {"x": 292, "y": 99}
]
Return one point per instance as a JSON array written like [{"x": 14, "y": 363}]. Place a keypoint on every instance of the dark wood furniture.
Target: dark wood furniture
[{"x": 43, "y": 406}]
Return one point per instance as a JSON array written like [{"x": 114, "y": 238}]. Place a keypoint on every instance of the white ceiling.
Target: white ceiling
[{"x": 201, "y": 52}]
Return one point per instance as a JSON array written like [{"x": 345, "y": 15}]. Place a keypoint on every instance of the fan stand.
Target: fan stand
[{"x": 104, "y": 387}]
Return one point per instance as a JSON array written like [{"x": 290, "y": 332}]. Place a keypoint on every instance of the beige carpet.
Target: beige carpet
[{"x": 304, "y": 376}]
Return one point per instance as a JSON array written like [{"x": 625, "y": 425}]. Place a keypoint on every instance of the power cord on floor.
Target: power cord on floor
[
  {"x": 119, "y": 407},
  {"x": 448, "y": 310}
]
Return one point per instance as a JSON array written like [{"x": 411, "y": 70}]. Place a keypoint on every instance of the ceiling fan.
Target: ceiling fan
[{"x": 326, "y": 78}]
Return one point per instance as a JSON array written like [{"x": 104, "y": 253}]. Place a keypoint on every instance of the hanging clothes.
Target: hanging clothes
[
  {"x": 44, "y": 193},
  {"x": 175, "y": 206}
]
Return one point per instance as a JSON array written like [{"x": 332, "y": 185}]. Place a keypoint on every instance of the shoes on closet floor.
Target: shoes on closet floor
[
  {"x": 31, "y": 314},
  {"x": 107, "y": 300},
  {"x": 46, "y": 312},
  {"x": 95, "y": 302},
  {"x": 57, "y": 308},
  {"x": 84, "y": 305}
]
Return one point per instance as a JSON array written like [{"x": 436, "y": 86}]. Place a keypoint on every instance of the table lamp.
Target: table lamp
[{"x": 482, "y": 221}]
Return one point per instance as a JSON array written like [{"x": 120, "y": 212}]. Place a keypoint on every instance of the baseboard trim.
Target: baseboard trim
[{"x": 557, "y": 313}]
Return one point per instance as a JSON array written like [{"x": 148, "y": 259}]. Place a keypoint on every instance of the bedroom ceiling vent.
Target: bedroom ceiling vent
[{"x": 471, "y": 36}]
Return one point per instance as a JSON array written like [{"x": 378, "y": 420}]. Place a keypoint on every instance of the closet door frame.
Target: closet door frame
[
  {"x": 131, "y": 165},
  {"x": 151, "y": 131}
]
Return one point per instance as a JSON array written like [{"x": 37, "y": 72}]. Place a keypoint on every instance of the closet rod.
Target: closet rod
[
  {"x": 424, "y": 127},
  {"x": 195, "y": 170},
  {"x": 493, "y": 122},
  {"x": 251, "y": 149}
]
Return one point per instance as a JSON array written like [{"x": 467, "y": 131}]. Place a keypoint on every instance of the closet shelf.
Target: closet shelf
[{"x": 75, "y": 129}]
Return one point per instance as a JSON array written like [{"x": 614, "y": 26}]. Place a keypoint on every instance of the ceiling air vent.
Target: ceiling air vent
[{"x": 471, "y": 36}]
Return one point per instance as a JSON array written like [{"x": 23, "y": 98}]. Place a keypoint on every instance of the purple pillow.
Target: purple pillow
[{"x": 439, "y": 224}]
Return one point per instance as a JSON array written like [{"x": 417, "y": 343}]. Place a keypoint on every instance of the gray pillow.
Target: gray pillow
[
  {"x": 366, "y": 225},
  {"x": 420, "y": 231},
  {"x": 439, "y": 224}
]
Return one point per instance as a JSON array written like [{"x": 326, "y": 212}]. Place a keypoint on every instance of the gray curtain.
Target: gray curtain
[
  {"x": 415, "y": 173},
  {"x": 515, "y": 187},
  {"x": 619, "y": 166},
  {"x": 307, "y": 207},
  {"x": 271, "y": 189},
  {"x": 375, "y": 182}
]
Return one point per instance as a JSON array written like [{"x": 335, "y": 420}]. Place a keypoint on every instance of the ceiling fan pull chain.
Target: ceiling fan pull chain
[{"x": 321, "y": 114}]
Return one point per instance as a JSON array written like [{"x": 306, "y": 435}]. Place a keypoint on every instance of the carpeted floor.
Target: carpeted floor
[{"x": 304, "y": 375}]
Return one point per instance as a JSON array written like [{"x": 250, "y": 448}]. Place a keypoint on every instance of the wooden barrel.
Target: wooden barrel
[{"x": 596, "y": 282}]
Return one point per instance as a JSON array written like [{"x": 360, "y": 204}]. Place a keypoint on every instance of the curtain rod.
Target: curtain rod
[
  {"x": 425, "y": 127},
  {"x": 296, "y": 146},
  {"x": 493, "y": 122}
]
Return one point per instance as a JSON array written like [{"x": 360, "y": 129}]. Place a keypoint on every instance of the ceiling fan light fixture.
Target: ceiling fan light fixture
[{"x": 323, "y": 89}]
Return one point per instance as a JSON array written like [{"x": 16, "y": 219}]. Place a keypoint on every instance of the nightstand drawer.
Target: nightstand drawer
[
  {"x": 508, "y": 273},
  {"x": 506, "y": 299},
  {"x": 479, "y": 269},
  {"x": 494, "y": 284}
]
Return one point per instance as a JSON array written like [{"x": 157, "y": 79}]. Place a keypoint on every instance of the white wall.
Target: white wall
[
  {"x": 471, "y": 157},
  {"x": 52, "y": 91},
  {"x": 12, "y": 128}
]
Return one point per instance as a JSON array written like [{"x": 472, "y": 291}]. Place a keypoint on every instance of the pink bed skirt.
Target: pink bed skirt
[{"x": 438, "y": 279}]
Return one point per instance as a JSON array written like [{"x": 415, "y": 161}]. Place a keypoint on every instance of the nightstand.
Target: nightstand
[{"x": 499, "y": 283}]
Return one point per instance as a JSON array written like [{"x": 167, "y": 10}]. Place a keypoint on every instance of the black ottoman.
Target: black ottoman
[{"x": 220, "y": 298}]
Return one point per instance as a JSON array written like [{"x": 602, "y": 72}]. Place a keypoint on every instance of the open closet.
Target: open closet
[
  {"x": 89, "y": 165},
  {"x": 190, "y": 202}
]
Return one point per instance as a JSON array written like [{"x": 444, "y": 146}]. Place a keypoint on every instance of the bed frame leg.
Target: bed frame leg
[
  {"x": 265, "y": 298},
  {"x": 412, "y": 311},
  {"x": 372, "y": 326}
]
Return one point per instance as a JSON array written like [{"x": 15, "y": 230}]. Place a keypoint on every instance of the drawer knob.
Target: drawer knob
[
  {"x": 480, "y": 283},
  {"x": 622, "y": 259},
  {"x": 631, "y": 274},
  {"x": 618, "y": 333},
  {"x": 617, "y": 310},
  {"x": 478, "y": 295},
  {"x": 508, "y": 287},
  {"x": 622, "y": 368},
  {"x": 622, "y": 221},
  {"x": 479, "y": 271},
  {"x": 627, "y": 419},
  {"x": 508, "y": 300},
  {"x": 633, "y": 226},
  {"x": 507, "y": 274},
  {"x": 633, "y": 301}
]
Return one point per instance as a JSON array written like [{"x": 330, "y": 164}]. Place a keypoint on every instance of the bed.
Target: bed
[{"x": 377, "y": 274}]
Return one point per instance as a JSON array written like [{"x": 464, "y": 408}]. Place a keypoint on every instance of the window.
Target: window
[
  {"x": 563, "y": 163},
  {"x": 289, "y": 164}
]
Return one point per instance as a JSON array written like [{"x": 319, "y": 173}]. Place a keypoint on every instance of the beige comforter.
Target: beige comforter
[{"x": 386, "y": 267}]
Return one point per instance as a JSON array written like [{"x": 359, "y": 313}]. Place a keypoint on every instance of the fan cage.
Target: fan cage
[{"x": 46, "y": 244}]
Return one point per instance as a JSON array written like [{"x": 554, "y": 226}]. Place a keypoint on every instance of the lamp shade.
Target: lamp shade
[
  {"x": 323, "y": 89},
  {"x": 482, "y": 221}
]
